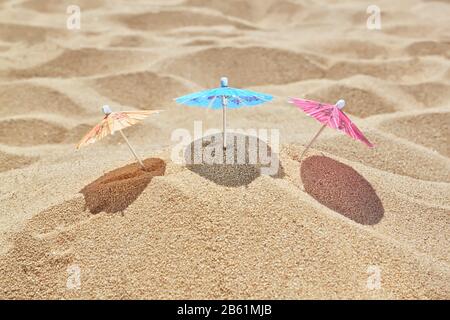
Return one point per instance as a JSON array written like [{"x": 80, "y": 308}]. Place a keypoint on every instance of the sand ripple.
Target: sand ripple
[
  {"x": 84, "y": 62},
  {"x": 246, "y": 66},
  {"x": 25, "y": 98},
  {"x": 10, "y": 161},
  {"x": 144, "y": 90}
]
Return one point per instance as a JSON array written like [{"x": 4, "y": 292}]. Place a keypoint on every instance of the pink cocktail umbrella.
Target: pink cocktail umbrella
[{"x": 330, "y": 116}]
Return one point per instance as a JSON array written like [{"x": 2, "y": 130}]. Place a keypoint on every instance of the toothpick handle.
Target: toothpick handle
[
  {"x": 132, "y": 149},
  {"x": 224, "y": 119},
  {"x": 312, "y": 141}
]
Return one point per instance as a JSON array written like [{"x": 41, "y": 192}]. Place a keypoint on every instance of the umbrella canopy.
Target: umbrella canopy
[
  {"x": 330, "y": 116},
  {"x": 224, "y": 97},
  {"x": 113, "y": 122},
  {"x": 235, "y": 98}
]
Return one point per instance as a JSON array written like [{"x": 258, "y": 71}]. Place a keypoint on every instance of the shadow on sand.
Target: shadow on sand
[
  {"x": 245, "y": 159},
  {"x": 117, "y": 189},
  {"x": 342, "y": 189}
]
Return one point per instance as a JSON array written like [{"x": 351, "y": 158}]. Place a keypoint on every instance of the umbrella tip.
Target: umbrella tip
[
  {"x": 340, "y": 104},
  {"x": 224, "y": 82},
  {"x": 106, "y": 109}
]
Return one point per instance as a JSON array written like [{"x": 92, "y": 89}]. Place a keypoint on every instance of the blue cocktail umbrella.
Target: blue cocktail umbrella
[{"x": 222, "y": 98}]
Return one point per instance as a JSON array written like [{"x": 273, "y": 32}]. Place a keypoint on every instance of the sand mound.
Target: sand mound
[
  {"x": 57, "y": 6},
  {"x": 208, "y": 249},
  {"x": 425, "y": 48},
  {"x": 30, "y": 132},
  {"x": 430, "y": 130},
  {"x": 85, "y": 62},
  {"x": 10, "y": 161},
  {"x": 430, "y": 94},
  {"x": 403, "y": 161},
  {"x": 359, "y": 102},
  {"x": 173, "y": 19},
  {"x": 24, "y": 33},
  {"x": 116, "y": 190},
  {"x": 207, "y": 66},
  {"x": 25, "y": 98},
  {"x": 145, "y": 90},
  {"x": 342, "y": 189}
]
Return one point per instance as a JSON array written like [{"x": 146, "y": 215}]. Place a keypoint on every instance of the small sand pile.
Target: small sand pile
[{"x": 116, "y": 190}]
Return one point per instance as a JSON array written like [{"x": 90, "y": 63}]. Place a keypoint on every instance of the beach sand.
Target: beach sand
[{"x": 347, "y": 222}]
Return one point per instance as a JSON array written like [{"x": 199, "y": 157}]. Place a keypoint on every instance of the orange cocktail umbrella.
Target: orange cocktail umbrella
[{"x": 113, "y": 122}]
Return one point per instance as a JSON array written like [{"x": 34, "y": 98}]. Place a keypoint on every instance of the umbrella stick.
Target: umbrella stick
[
  {"x": 132, "y": 150},
  {"x": 224, "y": 118},
  {"x": 312, "y": 141}
]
